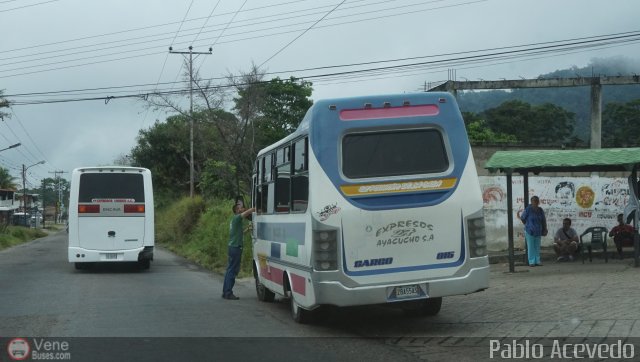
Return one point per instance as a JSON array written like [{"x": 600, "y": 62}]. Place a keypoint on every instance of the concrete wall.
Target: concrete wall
[{"x": 587, "y": 201}]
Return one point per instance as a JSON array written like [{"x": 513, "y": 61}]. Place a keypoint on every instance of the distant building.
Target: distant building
[
  {"x": 26, "y": 204},
  {"x": 8, "y": 205}
]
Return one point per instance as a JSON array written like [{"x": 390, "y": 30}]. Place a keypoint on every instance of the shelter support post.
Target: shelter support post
[
  {"x": 510, "y": 222},
  {"x": 596, "y": 114},
  {"x": 525, "y": 196},
  {"x": 636, "y": 238}
]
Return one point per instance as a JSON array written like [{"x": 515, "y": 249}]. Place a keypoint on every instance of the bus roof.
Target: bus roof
[
  {"x": 119, "y": 168},
  {"x": 361, "y": 102}
]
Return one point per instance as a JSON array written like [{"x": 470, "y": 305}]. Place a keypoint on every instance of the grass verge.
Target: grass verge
[
  {"x": 199, "y": 231},
  {"x": 14, "y": 235}
]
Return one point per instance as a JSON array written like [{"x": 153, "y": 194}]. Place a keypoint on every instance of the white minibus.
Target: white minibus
[
  {"x": 373, "y": 200},
  {"x": 111, "y": 217}
]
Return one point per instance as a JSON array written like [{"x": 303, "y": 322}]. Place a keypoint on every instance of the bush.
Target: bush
[
  {"x": 175, "y": 222},
  {"x": 204, "y": 241},
  {"x": 14, "y": 235}
]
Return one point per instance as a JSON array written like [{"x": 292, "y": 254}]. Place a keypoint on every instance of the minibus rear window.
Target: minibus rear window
[
  {"x": 397, "y": 153},
  {"x": 105, "y": 186}
]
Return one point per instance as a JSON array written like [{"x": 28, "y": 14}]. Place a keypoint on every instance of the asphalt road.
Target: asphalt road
[
  {"x": 174, "y": 312},
  {"x": 42, "y": 295}
]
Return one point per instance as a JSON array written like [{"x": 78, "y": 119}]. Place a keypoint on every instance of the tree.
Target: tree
[
  {"x": 479, "y": 132},
  {"x": 48, "y": 190},
  {"x": 122, "y": 160},
  {"x": 620, "y": 124},
  {"x": 225, "y": 142},
  {"x": 6, "y": 180},
  {"x": 3, "y": 104},
  {"x": 541, "y": 124},
  {"x": 164, "y": 149},
  {"x": 284, "y": 106}
]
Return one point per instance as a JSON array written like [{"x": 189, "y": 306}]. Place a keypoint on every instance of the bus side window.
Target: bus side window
[
  {"x": 283, "y": 187},
  {"x": 268, "y": 167},
  {"x": 255, "y": 194},
  {"x": 300, "y": 155},
  {"x": 300, "y": 177}
]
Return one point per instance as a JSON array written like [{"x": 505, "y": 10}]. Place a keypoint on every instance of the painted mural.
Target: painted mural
[{"x": 588, "y": 201}]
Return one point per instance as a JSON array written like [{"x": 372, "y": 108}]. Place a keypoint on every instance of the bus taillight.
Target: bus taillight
[
  {"x": 325, "y": 250},
  {"x": 132, "y": 208},
  {"x": 88, "y": 209},
  {"x": 477, "y": 236}
]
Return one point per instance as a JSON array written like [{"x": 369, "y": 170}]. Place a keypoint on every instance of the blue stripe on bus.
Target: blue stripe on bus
[
  {"x": 290, "y": 234},
  {"x": 275, "y": 250},
  {"x": 456, "y": 263},
  {"x": 326, "y": 131}
]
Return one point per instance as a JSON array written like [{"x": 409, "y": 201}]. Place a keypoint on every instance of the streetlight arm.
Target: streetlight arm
[{"x": 10, "y": 147}]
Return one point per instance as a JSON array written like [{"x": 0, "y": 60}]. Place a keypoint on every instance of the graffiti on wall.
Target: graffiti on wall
[{"x": 587, "y": 201}]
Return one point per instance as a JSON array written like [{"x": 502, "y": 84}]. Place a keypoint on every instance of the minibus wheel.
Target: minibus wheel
[
  {"x": 264, "y": 294},
  {"x": 300, "y": 314},
  {"x": 144, "y": 264},
  {"x": 427, "y": 307}
]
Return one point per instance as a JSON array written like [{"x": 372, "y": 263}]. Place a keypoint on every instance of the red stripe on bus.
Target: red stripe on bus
[
  {"x": 272, "y": 274},
  {"x": 389, "y": 112},
  {"x": 276, "y": 275},
  {"x": 299, "y": 286}
]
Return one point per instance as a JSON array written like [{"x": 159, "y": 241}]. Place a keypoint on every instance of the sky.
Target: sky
[{"x": 80, "y": 52}]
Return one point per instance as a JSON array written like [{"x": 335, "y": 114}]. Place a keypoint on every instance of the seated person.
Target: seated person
[
  {"x": 565, "y": 242},
  {"x": 622, "y": 235}
]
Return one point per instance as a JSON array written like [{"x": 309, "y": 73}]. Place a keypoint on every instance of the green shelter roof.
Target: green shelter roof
[{"x": 587, "y": 160}]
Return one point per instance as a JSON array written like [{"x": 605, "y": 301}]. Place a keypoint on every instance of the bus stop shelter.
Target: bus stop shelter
[{"x": 587, "y": 160}]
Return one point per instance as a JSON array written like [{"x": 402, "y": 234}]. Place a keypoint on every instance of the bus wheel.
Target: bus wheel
[
  {"x": 428, "y": 307},
  {"x": 80, "y": 266},
  {"x": 300, "y": 314},
  {"x": 264, "y": 294},
  {"x": 432, "y": 306},
  {"x": 144, "y": 264}
]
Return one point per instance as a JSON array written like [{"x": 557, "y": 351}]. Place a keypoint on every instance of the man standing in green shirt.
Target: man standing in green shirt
[{"x": 235, "y": 249}]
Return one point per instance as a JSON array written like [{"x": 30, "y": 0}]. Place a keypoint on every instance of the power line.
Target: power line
[
  {"x": 137, "y": 29},
  {"x": 298, "y": 37},
  {"x": 590, "y": 39},
  {"x": 19, "y": 149},
  {"x": 165, "y": 61},
  {"x": 28, "y": 6},
  {"x": 28, "y": 135},
  {"x": 206, "y": 21},
  {"x": 519, "y": 50},
  {"x": 387, "y": 15},
  {"x": 104, "y": 35},
  {"x": 228, "y": 23}
]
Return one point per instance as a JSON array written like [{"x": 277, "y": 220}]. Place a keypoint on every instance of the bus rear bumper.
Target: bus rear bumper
[
  {"x": 335, "y": 293},
  {"x": 81, "y": 255}
]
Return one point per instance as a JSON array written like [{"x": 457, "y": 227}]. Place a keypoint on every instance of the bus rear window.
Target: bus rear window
[
  {"x": 397, "y": 153},
  {"x": 111, "y": 186}
]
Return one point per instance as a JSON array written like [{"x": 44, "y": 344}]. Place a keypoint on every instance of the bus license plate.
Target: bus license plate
[
  {"x": 406, "y": 292},
  {"x": 111, "y": 256}
]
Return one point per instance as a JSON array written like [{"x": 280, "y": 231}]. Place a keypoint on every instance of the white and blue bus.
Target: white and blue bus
[{"x": 372, "y": 200}]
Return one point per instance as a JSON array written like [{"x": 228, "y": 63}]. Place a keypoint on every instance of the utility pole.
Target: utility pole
[
  {"x": 44, "y": 208},
  {"x": 24, "y": 190},
  {"x": 191, "y": 53},
  {"x": 59, "y": 205}
]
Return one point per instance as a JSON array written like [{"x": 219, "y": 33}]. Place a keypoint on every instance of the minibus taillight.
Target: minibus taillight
[
  {"x": 131, "y": 208},
  {"x": 325, "y": 250},
  {"x": 477, "y": 236},
  {"x": 88, "y": 209}
]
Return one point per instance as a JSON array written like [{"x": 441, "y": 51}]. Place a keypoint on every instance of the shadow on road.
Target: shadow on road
[{"x": 111, "y": 268}]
